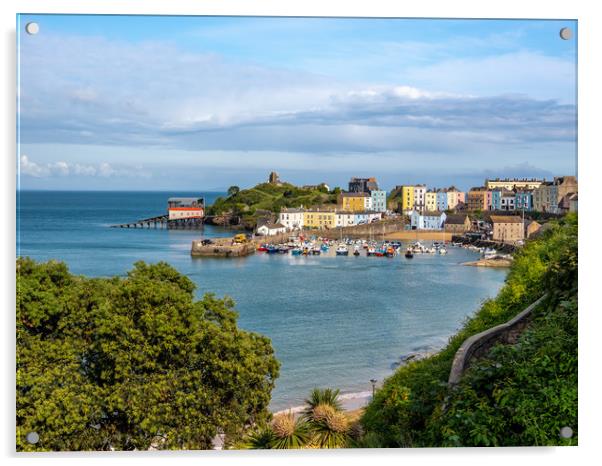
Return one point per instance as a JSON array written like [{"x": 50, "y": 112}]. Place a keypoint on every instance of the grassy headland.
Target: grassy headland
[
  {"x": 252, "y": 203},
  {"x": 520, "y": 394}
]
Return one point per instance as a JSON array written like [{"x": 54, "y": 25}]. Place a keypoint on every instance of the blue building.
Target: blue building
[
  {"x": 496, "y": 199},
  {"x": 427, "y": 220},
  {"x": 361, "y": 218},
  {"x": 379, "y": 200},
  {"x": 441, "y": 200},
  {"x": 524, "y": 200}
]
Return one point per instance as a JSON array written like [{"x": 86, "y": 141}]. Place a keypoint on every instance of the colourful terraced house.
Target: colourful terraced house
[
  {"x": 407, "y": 198},
  {"x": 355, "y": 202},
  {"x": 319, "y": 219}
]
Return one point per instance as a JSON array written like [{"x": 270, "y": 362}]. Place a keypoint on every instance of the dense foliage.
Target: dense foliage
[
  {"x": 271, "y": 197},
  {"x": 132, "y": 363},
  {"x": 520, "y": 394}
]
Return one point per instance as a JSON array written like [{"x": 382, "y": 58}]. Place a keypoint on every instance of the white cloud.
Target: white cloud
[
  {"x": 27, "y": 167},
  {"x": 64, "y": 169}
]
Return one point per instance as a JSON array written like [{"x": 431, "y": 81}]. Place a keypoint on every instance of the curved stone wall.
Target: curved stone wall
[{"x": 477, "y": 345}]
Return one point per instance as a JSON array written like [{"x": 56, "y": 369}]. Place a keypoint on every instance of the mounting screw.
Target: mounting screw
[
  {"x": 566, "y": 34},
  {"x": 32, "y": 437},
  {"x": 566, "y": 432}
]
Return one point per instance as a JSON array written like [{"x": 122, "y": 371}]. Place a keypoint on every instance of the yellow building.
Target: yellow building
[
  {"x": 407, "y": 198},
  {"x": 452, "y": 198},
  {"x": 430, "y": 201},
  {"x": 319, "y": 219},
  {"x": 355, "y": 202}
]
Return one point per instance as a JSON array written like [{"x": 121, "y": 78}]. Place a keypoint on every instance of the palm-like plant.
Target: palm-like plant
[
  {"x": 259, "y": 438},
  {"x": 322, "y": 424},
  {"x": 290, "y": 432},
  {"x": 328, "y": 423},
  {"x": 330, "y": 427},
  {"x": 322, "y": 396}
]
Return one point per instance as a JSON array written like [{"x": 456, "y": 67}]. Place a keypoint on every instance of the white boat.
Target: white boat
[
  {"x": 442, "y": 250},
  {"x": 342, "y": 250}
]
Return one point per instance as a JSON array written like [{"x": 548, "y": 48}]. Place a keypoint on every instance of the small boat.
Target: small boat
[
  {"x": 316, "y": 251},
  {"x": 324, "y": 247},
  {"x": 409, "y": 254},
  {"x": 371, "y": 251},
  {"x": 262, "y": 248},
  {"x": 272, "y": 249},
  {"x": 342, "y": 250},
  {"x": 356, "y": 251},
  {"x": 296, "y": 251},
  {"x": 442, "y": 250}
]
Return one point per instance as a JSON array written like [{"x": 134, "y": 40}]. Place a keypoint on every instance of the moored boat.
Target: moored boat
[{"x": 342, "y": 250}]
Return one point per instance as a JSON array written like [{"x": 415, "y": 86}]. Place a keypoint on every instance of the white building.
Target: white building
[
  {"x": 345, "y": 219},
  {"x": 427, "y": 220},
  {"x": 269, "y": 229},
  {"x": 374, "y": 216},
  {"x": 508, "y": 201},
  {"x": 420, "y": 197},
  {"x": 292, "y": 219}
]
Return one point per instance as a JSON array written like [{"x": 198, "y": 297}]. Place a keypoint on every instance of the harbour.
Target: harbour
[{"x": 335, "y": 321}]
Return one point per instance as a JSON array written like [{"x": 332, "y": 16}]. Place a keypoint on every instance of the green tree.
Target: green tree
[
  {"x": 233, "y": 190},
  {"x": 131, "y": 363}
]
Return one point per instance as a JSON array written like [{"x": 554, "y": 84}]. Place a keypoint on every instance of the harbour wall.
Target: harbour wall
[
  {"x": 414, "y": 235},
  {"x": 375, "y": 231},
  {"x": 221, "y": 247}
]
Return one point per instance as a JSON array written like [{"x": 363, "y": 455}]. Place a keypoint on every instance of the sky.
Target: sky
[{"x": 203, "y": 103}]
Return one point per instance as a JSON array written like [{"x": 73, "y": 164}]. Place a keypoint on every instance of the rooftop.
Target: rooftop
[
  {"x": 506, "y": 219},
  {"x": 456, "y": 219},
  {"x": 184, "y": 199},
  {"x": 355, "y": 194}
]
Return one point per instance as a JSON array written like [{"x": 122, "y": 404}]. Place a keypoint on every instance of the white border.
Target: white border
[{"x": 590, "y": 122}]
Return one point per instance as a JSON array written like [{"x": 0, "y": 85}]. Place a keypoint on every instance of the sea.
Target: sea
[{"x": 334, "y": 321}]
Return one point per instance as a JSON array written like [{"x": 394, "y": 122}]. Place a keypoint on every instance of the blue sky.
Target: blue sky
[{"x": 201, "y": 103}]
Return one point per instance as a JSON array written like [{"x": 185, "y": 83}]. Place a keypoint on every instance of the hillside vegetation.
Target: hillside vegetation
[
  {"x": 520, "y": 394},
  {"x": 270, "y": 197}
]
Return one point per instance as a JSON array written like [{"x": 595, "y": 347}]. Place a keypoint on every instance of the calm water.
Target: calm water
[{"x": 334, "y": 321}]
